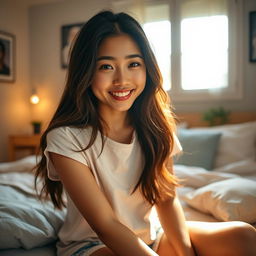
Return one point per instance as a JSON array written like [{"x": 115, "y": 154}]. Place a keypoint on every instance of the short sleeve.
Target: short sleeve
[
  {"x": 177, "y": 148},
  {"x": 62, "y": 141}
]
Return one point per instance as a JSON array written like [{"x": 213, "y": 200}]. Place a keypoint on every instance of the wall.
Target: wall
[
  {"x": 250, "y": 68},
  {"x": 14, "y": 97}
]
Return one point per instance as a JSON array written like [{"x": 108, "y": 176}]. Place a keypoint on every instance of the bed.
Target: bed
[
  {"x": 27, "y": 226},
  {"x": 217, "y": 172}
]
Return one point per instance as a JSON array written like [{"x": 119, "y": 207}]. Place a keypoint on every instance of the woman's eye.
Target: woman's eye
[
  {"x": 105, "y": 67},
  {"x": 134, "y": 64}
]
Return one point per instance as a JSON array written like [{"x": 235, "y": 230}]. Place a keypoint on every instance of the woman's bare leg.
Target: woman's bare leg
[
  {"x": 211, "y": 239},
  {"x": 217, "y": 239},
  {"x": 223, "y": 238},
  {"x": 165, "y": 248},
  {"x": 103, "y": 252}
]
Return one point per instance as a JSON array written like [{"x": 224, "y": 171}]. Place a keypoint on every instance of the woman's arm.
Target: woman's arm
[
  {"x": 173, "y": 222},
  {"x": 95, "y": 208}
]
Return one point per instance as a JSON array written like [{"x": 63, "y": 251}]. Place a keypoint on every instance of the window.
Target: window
[
  {"x": 195, "y": 43},
  {"x": 204, "y": 52},
  {"x": 157, "y": 27}
]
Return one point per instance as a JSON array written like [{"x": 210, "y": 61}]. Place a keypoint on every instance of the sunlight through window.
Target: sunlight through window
[
  {"x": 159, "y": 35},
  {"x": 204, "y": 49}
]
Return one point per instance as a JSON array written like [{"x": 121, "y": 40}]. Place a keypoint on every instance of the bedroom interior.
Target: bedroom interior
[{"x": 219, "y": 162}]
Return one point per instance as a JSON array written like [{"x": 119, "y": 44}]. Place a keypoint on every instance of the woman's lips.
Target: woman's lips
[{"x": 121, "y": 95}]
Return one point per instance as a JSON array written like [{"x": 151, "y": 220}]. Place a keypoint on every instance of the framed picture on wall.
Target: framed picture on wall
[
  {"x": 252, "y": 37},
  {"x": 68, "y": 34},
  {"x": 7, "y": 52}
]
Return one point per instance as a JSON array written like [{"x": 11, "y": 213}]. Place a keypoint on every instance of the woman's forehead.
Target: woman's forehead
[{"x": 118, "y": 46}]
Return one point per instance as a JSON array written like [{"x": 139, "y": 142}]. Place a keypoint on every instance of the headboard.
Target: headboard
[{"x": 194, "y": 119}]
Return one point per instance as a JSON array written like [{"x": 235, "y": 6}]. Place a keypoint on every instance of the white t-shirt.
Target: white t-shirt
[{"x": 116, "y": 171}]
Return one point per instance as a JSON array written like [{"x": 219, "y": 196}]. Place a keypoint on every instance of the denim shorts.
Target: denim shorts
[
  {"x": 93, "y": 246},
  {"x": 89, "y": 248}
]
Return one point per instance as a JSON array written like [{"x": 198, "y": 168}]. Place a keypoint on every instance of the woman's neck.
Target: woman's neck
[{"x": 117, "y": 126}]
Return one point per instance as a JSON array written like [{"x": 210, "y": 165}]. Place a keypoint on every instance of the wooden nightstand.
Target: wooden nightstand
[{"x": 21, "y": 142}]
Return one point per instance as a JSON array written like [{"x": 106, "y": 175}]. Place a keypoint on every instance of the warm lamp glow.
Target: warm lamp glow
[{"x": 34, "y": 99}]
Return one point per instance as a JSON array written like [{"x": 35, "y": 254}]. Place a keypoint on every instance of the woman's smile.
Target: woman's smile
[{"x": 121, "y": 94}]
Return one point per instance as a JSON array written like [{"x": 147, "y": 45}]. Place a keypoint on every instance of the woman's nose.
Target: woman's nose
[{"x": 120, "y": 77}]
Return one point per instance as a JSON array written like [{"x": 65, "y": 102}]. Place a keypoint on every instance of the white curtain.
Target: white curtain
[
  {"x": 143, "y": 10},
  {"x": 200, "y": 8},
  {"x": 157, "y": 10},
  {"x": 135, "y": 8}
]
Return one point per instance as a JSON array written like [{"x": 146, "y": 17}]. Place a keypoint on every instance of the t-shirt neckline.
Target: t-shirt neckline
[{"x": 116, "y": 143}]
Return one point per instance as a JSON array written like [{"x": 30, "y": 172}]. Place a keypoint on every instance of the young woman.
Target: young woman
[{"x": 109, "y": 146}]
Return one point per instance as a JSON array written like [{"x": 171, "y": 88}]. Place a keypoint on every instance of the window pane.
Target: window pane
[
  {"x": 204, "y": 49},
  {"x": 159, "y": 35}
]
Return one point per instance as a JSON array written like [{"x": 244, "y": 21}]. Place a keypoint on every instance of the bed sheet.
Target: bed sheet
[
  {"x": 17, "y": 180},
  {"x": 48, "y": 250}
]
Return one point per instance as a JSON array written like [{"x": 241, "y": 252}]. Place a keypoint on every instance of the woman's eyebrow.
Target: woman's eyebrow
[
  {"x": 113, "y": 58},
  {"x": 105, "y": 58},
  {"x": 134, "y": 56}
]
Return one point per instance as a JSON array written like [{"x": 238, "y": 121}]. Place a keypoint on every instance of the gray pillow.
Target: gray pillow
[
  {"x": 199, "y": 148},
  {"x": 25, "y": 222}
]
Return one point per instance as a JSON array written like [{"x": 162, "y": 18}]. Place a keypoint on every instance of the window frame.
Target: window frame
[{"x": 234, "y": 90}]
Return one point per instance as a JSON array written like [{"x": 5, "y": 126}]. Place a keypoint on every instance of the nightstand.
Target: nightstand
[{"x": 21, "y": 142}]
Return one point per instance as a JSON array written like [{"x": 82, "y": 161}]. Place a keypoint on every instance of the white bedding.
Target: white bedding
[
  {"x": 48, "y": 250},
  {"x": 223, "y": 196},
  {"x": 29, "y": 226},
  {"x": 16, "y": 180}
]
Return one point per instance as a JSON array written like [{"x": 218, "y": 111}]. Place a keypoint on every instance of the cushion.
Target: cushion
[
  {"x": 22, "y": 165},
  {"x": 196, "y": 177},
  {"x": 229, "y": 200},
  {"x": 237, "y": 142},
  {"x": 199, "y": 147},
  {"x": 26, "y": 222}
]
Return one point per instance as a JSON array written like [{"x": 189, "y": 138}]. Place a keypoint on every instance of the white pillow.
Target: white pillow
[
  {"x": 22, "y": 165},
  {"x": 228, "y": 200},
  {"x": 237, "y": 143},
  {"x": 196, "y": 177},
  {"x": 243, "y": 168}
]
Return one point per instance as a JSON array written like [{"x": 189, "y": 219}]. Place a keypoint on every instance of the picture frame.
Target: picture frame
[
  {"x": 252, "y": 36},
  {"x": 7, "y": 57},
  {"x": 68, "y": 35}
]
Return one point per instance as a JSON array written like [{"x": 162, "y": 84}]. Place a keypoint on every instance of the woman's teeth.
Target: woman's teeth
[{"x": 121, "y": 94}]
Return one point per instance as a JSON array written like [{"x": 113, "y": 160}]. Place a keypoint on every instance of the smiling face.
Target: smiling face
[{"x": 120, "y": 74}]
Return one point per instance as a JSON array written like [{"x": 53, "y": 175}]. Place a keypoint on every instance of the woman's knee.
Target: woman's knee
[
  {"x": 244, "y": 231},
  {"x": 244, "y": 239},
  {"x": 224, "y": 238}
]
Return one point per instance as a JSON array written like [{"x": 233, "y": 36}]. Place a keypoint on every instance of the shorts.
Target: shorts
[{"x": 93, "y": 246}]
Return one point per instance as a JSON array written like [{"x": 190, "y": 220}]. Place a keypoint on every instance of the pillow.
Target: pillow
[
  {"x": 182, "y": 125},
  {"x": 229, "y": 200},
  {"x": 243, "y": 168},
  {"x": 25, "y": 222},
  {"x": 237, "y": 142},
  {"x": 25, "y": 164},
  {"x": 197, "y": 177},
  {"x": 199, "y": 148}
]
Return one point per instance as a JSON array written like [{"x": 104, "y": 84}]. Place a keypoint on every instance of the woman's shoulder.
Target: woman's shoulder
[
  {"x": 70, "y": 130},
  {"x": 69, "y": 133}
]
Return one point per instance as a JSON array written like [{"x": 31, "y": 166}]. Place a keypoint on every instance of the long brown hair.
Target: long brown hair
[{"x": 150, "y": 114}]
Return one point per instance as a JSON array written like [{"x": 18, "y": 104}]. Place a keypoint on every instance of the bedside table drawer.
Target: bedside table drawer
[{"x": 20, "y": 142}]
